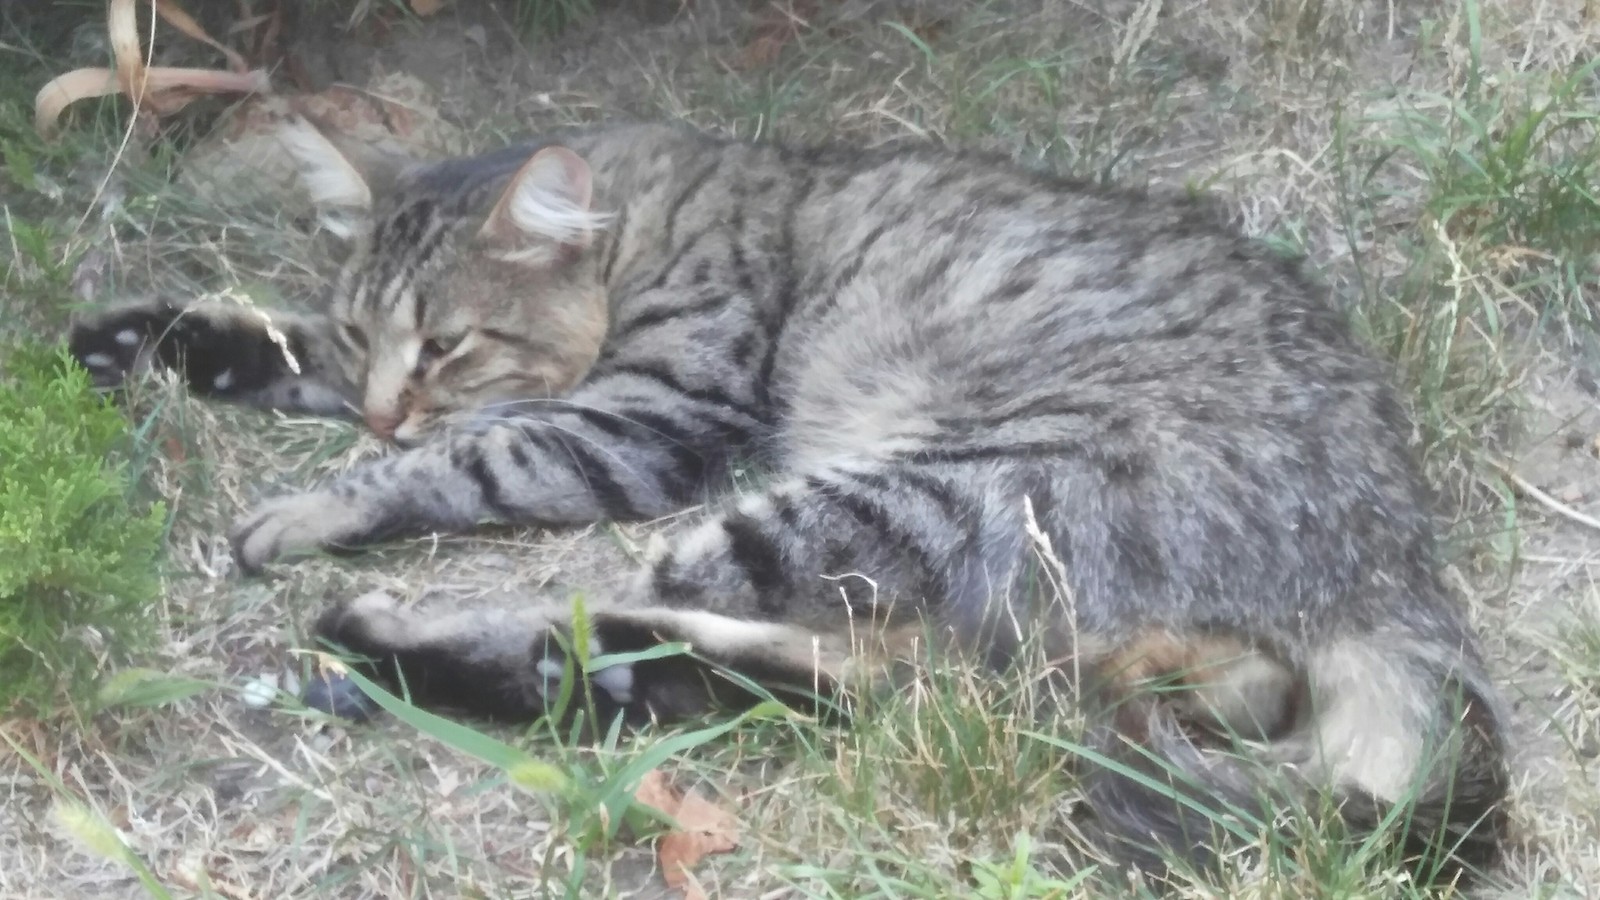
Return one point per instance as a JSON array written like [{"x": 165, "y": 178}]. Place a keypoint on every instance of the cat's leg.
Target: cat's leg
[
  {"x": 815, "y": 583},
  {"x": 511, "y": 664},
  {"x": 269, "y": 359},
  {"x": 627, "y": 445}
]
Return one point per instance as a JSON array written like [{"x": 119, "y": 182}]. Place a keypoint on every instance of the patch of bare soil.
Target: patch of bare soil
[{"x": 1540, "y": 622}]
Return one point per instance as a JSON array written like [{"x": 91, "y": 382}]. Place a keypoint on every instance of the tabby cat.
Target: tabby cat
[{"x": 929, "y": 351}]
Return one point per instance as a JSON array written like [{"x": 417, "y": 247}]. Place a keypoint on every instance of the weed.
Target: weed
[
  {"x": 78, "y": 556},
  {"x": 89, "y": 826},
  {"x": 549, "y": 17},
  {"x": 1480, "y": 199},
  {"x": 532, "y": 17}
]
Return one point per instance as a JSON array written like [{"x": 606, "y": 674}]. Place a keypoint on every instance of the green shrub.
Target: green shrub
[{"x": 78, "y": 556}]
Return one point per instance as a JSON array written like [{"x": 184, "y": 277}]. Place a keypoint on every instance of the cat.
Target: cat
[{"x": 928, "y": 350}]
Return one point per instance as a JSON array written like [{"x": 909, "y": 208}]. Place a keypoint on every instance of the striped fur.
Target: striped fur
[{"x": 920, "y": 345}]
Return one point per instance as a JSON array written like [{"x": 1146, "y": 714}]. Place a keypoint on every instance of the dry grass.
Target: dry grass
[{"x": 1378, "y": 138}]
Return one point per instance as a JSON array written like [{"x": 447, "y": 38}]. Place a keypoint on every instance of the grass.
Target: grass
[
  {"x": 531, "y": 17},
  {"x": 1502, "y": 226},
  {"x": 1438, "y": 168}
]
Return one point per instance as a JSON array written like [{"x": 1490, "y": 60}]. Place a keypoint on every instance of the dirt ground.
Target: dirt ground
[{"x": 1240, "y": 99}]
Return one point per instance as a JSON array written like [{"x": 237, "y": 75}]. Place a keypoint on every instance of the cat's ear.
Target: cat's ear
[
  {"x": 341, "y": 174},
  {"x": 545, "y": 210}
]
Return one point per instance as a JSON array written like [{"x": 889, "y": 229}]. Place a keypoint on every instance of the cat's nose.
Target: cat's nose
[{"x": 383, "y": 424}]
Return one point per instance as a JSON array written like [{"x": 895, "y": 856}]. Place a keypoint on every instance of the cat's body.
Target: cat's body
[{"x": 925, "y": 350}]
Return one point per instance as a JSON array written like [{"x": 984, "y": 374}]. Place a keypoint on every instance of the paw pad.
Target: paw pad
[
  {"x": 616, "y": 681},
  {"x": 111, "y": 346},
  {"x": 339, "y": 697}
]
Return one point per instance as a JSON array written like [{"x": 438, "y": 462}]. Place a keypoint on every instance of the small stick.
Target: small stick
[
  {"x": 1558, "y": 560},
  {"x": 1554, "y": 505}
]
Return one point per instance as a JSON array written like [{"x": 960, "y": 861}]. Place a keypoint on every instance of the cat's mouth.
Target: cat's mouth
[
  {"x": 412, "y": 432},
  {"x": 422, "y": 427}
]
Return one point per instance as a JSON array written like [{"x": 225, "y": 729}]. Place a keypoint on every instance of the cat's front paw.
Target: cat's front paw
[
  {"x": 118, "y": 342},
  {"x": 220, "y": 350},
  {"x": 299, "y": 524}
]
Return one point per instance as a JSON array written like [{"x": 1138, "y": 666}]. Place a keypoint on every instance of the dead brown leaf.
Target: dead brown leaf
[
  {"x": 172, "y": 445},
  {"x": 157, "y": 91},
  {"x": 427, "y": 8},
  {"x": 775, "y": 28},
  {"x": 703, "y": 828},
  {"x": 657, "y": 792}
]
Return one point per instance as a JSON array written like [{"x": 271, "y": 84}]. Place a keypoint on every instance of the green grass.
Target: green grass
[
  {"x": 1495, "y": 178},
  {"x": 545, "y": 18},
  {"x": 549, "y": 17},
  {"x": 78, "y": 551}
]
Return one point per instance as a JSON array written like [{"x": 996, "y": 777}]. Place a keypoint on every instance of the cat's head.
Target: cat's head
[{"x": 469, "y": 284}]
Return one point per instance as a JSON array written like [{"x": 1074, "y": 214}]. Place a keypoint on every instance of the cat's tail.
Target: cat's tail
[{"x": 1388, "y": 737}]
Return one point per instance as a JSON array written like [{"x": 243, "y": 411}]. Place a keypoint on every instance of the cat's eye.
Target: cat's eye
[
  {"x": 436, "y": 348},
  {"x": 354, "y": 335}
]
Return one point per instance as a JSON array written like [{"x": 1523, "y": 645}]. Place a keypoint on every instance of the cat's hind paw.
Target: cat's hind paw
[{"x": 501, "y": 664}]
